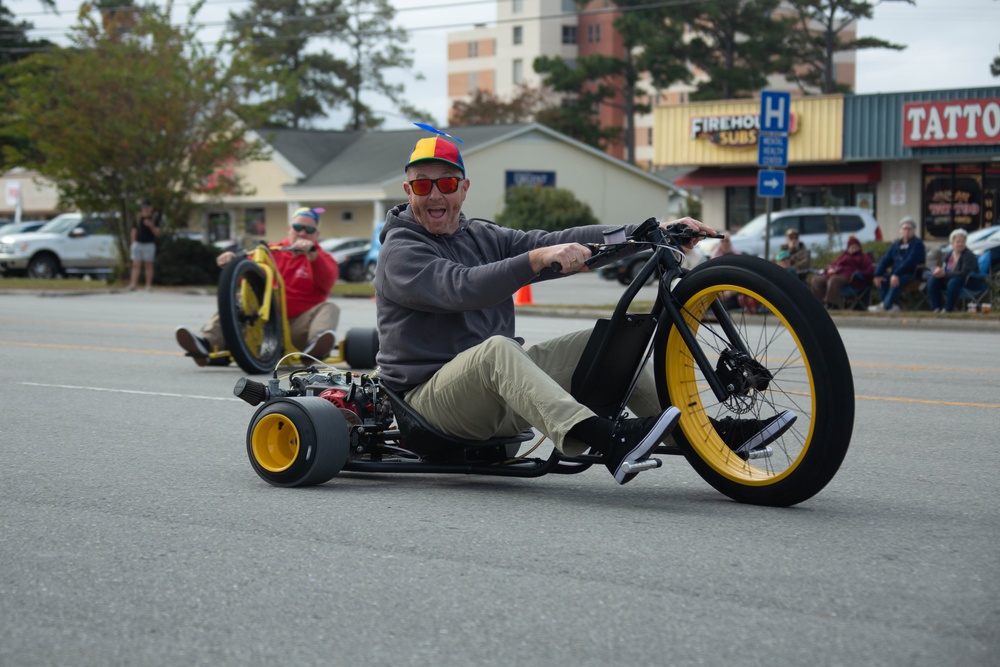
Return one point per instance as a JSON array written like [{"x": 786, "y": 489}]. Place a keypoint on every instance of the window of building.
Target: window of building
[
  {"x": 347, "y": 215},
  {"x": 517, "y": 6},
  {"x": 569, "y": 6},
  {"x": 569, "y": 34},
  {"x": 473, "y": 51},
  {"x": 594, "y": 33},
  {"x": 473, "y": 82},
  {"x": 518, "y": 71},
  {"x": 254, "y": 222},
  {"x": 959, "y": 195},
  {"x": 518, "y": 34}
]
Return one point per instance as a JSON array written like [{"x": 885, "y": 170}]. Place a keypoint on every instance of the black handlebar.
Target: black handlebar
[{"x": 647, "y": 234}]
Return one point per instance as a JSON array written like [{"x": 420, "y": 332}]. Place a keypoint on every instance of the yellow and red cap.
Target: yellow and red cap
[{"x": 436, "y": 148}]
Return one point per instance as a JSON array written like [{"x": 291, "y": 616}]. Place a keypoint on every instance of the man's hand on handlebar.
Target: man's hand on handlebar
[
  {"x": 699, "y": 230},
  {"x": 564, "y": 258},
  {"x": 225, "y": 257}
]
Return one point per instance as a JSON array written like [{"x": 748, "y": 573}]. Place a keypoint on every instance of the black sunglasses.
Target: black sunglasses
[
  {"x": 308, "y": 229},
  {"x": 446, "y": 185}
]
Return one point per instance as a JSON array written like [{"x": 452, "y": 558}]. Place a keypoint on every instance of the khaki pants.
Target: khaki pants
[
  {"x": 303, "y": 329},
  {"x": 498, "y": 388}
]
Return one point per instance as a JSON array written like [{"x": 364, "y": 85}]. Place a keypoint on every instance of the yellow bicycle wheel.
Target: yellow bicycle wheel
[{"x": 785, "y": 374}]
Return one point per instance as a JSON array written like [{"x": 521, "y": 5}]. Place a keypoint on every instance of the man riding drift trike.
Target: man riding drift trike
[
  {"x": 274, "y": 303},
  {"x": 455, "y": 390}
]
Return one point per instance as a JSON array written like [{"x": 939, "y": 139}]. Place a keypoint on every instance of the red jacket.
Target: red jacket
[
  {"x": 307, "y": 284},
  {"x": 849, "y": 263}
]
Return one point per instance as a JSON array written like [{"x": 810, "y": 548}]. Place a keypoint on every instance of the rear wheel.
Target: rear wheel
[
  {"x": 792, "y": 359},
  {"x": 255, "y": 343},
  {"x": 297, "y": 441},
  {"x": 360, "y": 347}
]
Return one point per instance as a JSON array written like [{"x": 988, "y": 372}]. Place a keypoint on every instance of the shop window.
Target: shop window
[{"x": 958, "y": 196}]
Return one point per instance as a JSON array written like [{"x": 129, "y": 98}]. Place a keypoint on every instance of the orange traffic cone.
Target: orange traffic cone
[{"x": 522, "y": 297}]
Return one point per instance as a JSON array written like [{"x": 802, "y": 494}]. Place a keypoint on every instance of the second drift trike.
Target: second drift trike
[
  {"x": 254, "y": 319},
  {"x": 716, "y": 365}
]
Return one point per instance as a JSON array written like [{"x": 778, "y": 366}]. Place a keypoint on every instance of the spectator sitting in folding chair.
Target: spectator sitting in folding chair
[
  {"x": 952, "y": 273},
  {"x": 852, "y": 268},
  {"x": 899, "y": 266}
]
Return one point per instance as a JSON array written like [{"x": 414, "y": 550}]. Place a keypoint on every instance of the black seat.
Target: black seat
[{"x": 421, "y": 438}]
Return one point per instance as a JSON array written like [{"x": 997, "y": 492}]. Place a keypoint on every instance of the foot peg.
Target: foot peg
[
  {"x": 639, "y": 466},
  {"x": 762, "y": 453}
]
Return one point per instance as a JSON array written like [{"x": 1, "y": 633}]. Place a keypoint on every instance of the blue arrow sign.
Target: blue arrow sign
[
  {"x": 770, "y": 183},
  {"x": 772, "y": 150},
  {"x": 775, "y": 109}
]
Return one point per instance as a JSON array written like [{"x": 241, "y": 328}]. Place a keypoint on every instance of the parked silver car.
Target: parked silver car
[
  {"x": 70, "y": 243},
  {"x": 819, "y": 229}
]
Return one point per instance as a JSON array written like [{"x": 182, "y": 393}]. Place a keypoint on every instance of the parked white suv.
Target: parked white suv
[
  {"x": 819, "y": 229},
  {"x": 68, "y": 244}
]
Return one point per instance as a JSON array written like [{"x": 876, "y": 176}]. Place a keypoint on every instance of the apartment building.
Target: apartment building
[{"x": 499, "y": 58}]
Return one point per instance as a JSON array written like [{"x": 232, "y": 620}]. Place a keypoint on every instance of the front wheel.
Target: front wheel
[
  {"x": 782, "y": 356},
  {"x": 255, "y": 343},
  {"x": 43, "y": 265},
  {"x": 297, "y": 441}
]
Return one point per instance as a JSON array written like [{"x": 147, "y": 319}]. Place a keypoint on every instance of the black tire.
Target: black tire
[
  {"x": 255, "y": 344},
  {"x": 44, "y": 265},
  {"x": 360, "y": 347},
  {"x": 797, "y": 362},
  {"x": 297, "y": 441},
  {"x": 370, "y": 272}
]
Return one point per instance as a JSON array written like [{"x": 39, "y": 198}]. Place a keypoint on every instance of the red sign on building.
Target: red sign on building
[{"x": 951, "y": 123}]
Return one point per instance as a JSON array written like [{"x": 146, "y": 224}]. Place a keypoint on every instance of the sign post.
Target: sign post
[{"x": 772, "y": 152}]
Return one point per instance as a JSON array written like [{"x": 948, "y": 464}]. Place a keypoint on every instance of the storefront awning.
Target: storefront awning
[{"x": 815, "y": 175}]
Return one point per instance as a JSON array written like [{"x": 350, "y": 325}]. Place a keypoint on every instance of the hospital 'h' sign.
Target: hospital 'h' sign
[{"x": 775, "y": 110}]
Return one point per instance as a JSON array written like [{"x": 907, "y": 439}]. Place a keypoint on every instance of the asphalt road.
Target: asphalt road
[{"x": 134, "y": 531}]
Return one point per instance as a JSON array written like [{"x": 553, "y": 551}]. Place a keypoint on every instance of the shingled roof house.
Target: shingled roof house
[{"x": 357, "y": 176}]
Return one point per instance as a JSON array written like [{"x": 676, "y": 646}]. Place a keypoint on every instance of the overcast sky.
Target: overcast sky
[{"x": 950, "y": 43}]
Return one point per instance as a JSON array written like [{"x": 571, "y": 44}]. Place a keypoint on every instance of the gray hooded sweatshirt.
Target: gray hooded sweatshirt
[{"x": 439, "y": 295}]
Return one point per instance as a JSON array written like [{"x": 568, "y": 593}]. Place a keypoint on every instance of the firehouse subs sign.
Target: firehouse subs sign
[
  {"x": 951, "y": 123},
  {"x": 734, "y": 131}
]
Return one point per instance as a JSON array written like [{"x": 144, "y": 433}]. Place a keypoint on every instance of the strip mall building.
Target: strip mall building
[{"x": 932, "y": 155}]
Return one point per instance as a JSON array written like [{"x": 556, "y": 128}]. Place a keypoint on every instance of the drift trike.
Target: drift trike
[
  {"x": 254, "y": 319},
  {"x": 710, "y": 362}
]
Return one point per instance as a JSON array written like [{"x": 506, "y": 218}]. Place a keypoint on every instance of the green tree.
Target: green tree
[
  {"x": 737, "y": 44},
  {"x": 297, "y": 83},
  {"x": 550, "y": 209},
  {"x": 14, "y": 46},
  {"x": 485, "y": 108},
  {"x": 653, "y": 43},
  {"x": 584, "y": 85},
  {"x": 119, "y": 118},
  {"x": 376, "y": 47},
  {"x": 818, "y": 37},
  {"x": 995, "y": 66}
]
